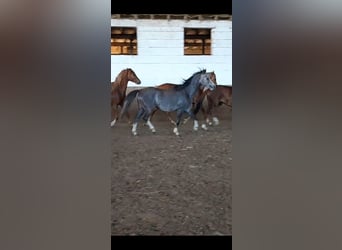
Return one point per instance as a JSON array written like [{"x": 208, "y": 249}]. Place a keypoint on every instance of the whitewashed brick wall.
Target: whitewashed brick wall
[{"x": 161, "y": 57}]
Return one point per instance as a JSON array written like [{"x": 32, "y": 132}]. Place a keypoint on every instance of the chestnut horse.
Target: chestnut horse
[
  {"x": 118, "y": 92},
  {"x": 221, "y": 95}
]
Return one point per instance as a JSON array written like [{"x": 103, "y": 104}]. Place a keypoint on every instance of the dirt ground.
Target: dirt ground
[{"x": 168, "y": 185}]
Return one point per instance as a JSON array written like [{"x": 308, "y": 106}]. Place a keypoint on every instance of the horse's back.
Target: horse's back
[
  {"x": 222, "y": 90},
  {"x": 227, "y": 89},
  {"x": 166, "y": 86},
  {"x": 164, "y": 99}
]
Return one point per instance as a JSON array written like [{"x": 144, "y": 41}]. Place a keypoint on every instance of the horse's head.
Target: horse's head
[
  {"x": 207, "y": 82},
  {"x": 213, "y": 77},
  {"x": 132, "y": 76}
]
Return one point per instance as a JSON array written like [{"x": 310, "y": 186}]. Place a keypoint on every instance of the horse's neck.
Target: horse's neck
[
  {"x": 192, "y": 89},
  {"x": 122, "y": 82}
]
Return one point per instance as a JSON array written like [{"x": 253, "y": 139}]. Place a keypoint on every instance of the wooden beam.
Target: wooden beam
[
  {"x": 124, "y": 36},
  {"x": 196, "y": 36},
  {"x": 123, "y": 44},
  {"x": 174, "y": 16}
]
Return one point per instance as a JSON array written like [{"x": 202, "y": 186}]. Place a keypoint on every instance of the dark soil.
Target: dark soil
[{"x": 168, "y": 185}]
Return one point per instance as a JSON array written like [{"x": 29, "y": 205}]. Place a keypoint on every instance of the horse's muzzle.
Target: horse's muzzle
[{"x": 212, "y": 87}]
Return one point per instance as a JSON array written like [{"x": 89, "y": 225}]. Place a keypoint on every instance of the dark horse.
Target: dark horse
[
  {"x": 177, "y": 99},
  {"x": 197, "y": 101},
  {"x": 118, "y": 93},
  {"x": 221, "y": 95}
]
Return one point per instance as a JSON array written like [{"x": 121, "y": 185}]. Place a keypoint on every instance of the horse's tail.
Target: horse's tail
[{"x": 128, "y": 101}]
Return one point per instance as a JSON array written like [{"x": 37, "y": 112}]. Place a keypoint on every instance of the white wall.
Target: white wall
[{"x": 161, "y": 57}]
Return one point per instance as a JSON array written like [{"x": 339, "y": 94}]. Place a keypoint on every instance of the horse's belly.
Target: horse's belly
[
  {"x": 169, "y": 102},
  {"x": 167, "y": 107}
]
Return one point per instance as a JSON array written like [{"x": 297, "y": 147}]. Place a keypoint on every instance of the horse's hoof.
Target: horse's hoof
[
  {"x": 154, "y": 131},
  {"x": 204, "y": 127},
  {"x": 216, "y": 121},
  {"x": 135, "y": 133},
  {"x": 175, "y": 130},
  {"x": 196, "y": 129},
  {"x": 112, "y": 123}
]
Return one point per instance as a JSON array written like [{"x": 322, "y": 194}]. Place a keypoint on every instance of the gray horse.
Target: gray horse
[{"x": 177, "y": 99}]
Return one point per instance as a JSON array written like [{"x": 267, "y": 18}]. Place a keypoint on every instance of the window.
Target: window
[
  {"x": 123, "y": 41},
  {"x": 197, "y": 41}
]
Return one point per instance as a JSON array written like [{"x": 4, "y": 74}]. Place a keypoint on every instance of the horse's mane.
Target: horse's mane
[
  {"x": 188, "y": 81},
  {"x": 119, "y": 76}
]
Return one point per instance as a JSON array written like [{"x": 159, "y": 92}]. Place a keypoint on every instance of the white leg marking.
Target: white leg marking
[
  {"x": 134, "y": 128},
  {"x": 175, "y": 130},
  {"x": 113, "y": 123},
  {"x": 186, "y": 120},
  {"x": 209, "y": 122},
  {"x": 204, "y": 126},
  {"x": 149, "y": 123},
  {"x": 173, "y": 122},
  {"x": 216, "y": 121},
  {"x": 195, "y": 125}
]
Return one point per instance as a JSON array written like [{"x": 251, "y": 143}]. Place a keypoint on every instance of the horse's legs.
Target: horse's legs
[
  {"x": 128, "y": 117},
  {"x": 136, "y": 120},
  {"x": 186, "y": 119},
  {"x": 179, "y": 117},
  {"x": 114, "y": 115},
  {"x": 215, "y": 119},
  {"x": 152, "y": 114},
  {"x": 169, "y": 116},
  {"x": 147, "y": 119},
  {"x": 204, "y": 117},
  {"x": 209, "y": 111},
  {"x": 198, "y": 107},
  {"x": 193, "y": 117},
  {"x": 201, "y": 107}
]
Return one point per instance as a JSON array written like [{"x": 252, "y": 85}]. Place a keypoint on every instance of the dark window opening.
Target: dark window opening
[
  {"x": 197, "y": 41},
  {"x": 123, "y": 41}
]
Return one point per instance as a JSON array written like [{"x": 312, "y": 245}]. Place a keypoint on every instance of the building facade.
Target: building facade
[{"x": 170, "y": 48}]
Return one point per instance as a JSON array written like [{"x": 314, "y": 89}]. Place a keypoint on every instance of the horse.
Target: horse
[
  {"x": 221, "y": 95},
  {"x": 177, "y": 99},
  {"x": 197, "y": 101},
  {"x": 118, "y": 92}
]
